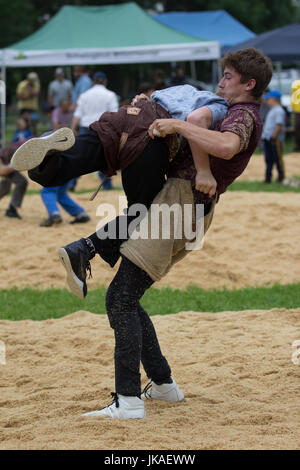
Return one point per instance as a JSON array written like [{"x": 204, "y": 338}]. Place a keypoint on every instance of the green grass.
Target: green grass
[
  {"x": 258, "y": 186},
  {"x": 35, "y": 304}
]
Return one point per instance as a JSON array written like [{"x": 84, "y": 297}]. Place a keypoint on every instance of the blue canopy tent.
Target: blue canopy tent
[
  {"x": 215, "y": 25},
  {"x": 282, "y": 46}
]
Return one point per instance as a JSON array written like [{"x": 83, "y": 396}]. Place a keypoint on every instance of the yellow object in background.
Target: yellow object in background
[{"x": 295, "y": 96}]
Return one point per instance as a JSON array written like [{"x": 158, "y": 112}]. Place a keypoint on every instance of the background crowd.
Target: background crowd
[
  {"x": 74, "y": 104},
  {"x": 79, "y": 102}
]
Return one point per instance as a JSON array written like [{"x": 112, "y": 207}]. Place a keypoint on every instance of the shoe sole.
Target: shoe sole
[
  {"x": 180, "y": 400},
  {"x": 96, "y": 414},
  {"x": 75, "y": 284},
  {"x": 33, "y": 152}
]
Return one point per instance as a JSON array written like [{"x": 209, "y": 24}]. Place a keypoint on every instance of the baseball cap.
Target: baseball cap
[
  {"x": 272, "y": 94},
  {"x": 99, "y": 76},
  {"x": 32, "y": 76},
  {"x": 59, "y": 71}
]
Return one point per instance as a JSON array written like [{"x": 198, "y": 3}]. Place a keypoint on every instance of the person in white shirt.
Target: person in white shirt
[{"x": 93, "y": 103}]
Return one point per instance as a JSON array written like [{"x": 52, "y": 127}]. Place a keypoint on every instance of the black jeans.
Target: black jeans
[
  {"x": 135, "y": 337},
  {"x": 273, "y": 156},
  {"x": 86, "y": 156},
  {"x": 141, "y": 180}
]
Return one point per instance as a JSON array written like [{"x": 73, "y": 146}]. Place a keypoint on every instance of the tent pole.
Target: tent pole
[
  {"x": 214, "y": 74},
  {"x": 193, "y": 70},
  {"x": 3, "y": 105},
  {"x": 278, "y": 70},
  {"x": 69, "y": 73}
]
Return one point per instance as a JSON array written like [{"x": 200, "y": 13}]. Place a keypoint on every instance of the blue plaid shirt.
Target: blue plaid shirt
[{"x": 181, "y": 100}]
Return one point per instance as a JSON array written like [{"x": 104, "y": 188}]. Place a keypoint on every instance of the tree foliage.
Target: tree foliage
[
  {"x": 19, "y": 18},
  {"x": 257, "y": 15}
]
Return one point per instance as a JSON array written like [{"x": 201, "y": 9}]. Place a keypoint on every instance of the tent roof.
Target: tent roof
[
  {"x": 281, "y": 44},
  {"x": 119, "y": 29},
  {"x": 215, "y": 25}
]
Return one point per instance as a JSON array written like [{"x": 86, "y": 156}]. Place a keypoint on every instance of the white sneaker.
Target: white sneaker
[
  {"x": 165, "y": 392},
  {"x": 122, "y": 407},
  {"x": 33, "y": 151}
]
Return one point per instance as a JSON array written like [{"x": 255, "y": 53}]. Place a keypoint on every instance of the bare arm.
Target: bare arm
[
  {"x": 75, "y": 124},
  {"x": 219, "y": 144},
  {"x": 204, "y": 180}
]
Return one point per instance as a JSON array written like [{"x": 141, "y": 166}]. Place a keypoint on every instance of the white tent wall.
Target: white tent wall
[{"x": 127, "y": 55}]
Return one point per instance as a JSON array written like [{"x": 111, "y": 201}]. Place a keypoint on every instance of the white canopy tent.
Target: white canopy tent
[{"x": 118, "y": 34}]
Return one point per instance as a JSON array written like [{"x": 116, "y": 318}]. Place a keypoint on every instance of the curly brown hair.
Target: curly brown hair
[{"x": 251, "y": 63}]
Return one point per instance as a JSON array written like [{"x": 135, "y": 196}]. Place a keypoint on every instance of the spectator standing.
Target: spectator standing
[
  {"x": 178, "y": 77},
  {"x": 82, "y": 83},
  {"x": 159, "y": 80},
  {"x": 62, "y": 116},
  {"x": 91, "y": 105},
  {"x": 59, "y": 89},
  {"x": 273, "y": 136},
  {"x": 146, "y": 88},
  {"x": 58, "y": 194},
  {"x": 28, "y": 98},
  {"x": 295, "y": 103}
]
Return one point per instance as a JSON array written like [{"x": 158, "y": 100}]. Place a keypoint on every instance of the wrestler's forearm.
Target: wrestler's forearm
[
  {"x": 201, "y": 117},
  {"x": 201, "y": 159},
  {"x": 211, "y": 142},
  {"x": 75, "y": 124}
]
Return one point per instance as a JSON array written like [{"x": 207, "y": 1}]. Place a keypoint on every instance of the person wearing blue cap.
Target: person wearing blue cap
[{"x": 273, "y": 136}]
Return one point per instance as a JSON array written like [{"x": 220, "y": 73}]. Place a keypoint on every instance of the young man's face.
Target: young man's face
[{"x": 231, "y": 88}]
